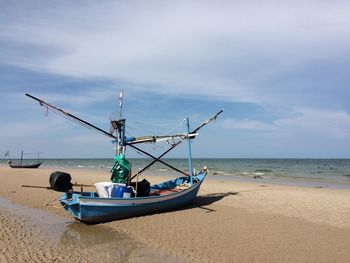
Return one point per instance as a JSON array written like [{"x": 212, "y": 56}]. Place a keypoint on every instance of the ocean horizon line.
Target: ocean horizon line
[{"x": 184, "y": 158}]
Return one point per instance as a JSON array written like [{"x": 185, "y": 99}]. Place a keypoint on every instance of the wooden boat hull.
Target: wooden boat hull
[
  {"x": 35, "y": 165},
  {"x": 90, "y": 208}
]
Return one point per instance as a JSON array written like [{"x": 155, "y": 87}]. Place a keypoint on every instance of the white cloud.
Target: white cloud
[
  {"x": 89, "y": 96},
  {"x": 225, "y": 50},
  {"x": 247, "y": 124},
  {"x": 305, "y": 122},
  {"x": 329, "y": 124}
]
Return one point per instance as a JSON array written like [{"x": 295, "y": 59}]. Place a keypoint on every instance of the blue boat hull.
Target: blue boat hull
[{"x": 90, "y": 208}]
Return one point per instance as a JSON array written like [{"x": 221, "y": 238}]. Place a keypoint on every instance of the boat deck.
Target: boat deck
[{"x": 164, "y": 191}]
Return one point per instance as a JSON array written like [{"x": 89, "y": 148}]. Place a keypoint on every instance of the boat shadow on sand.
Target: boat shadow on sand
[{"x": 204, "y": 200}]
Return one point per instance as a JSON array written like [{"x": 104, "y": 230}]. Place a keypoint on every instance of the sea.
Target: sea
[{"x": 333, "y": 173}]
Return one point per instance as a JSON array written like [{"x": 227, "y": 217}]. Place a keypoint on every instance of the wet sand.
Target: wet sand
[{"x": 229, "y": 222}]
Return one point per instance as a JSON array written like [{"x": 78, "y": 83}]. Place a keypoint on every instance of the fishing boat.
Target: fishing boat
[
  {"x": 123, "y": 198},
  {"x": 89, "y": 207},
  {"x": 20, "y": 164}
]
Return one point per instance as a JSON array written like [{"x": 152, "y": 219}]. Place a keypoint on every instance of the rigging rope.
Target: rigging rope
[
  {"x": 157, "y": 127},
  {"x": 58, "y": 112}
]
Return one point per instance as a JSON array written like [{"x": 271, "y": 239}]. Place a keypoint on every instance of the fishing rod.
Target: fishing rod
[{"x": 43, "y": 103}]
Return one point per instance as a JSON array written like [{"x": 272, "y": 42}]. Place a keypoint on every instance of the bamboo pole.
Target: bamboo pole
[
  {"x": 189, "y": 151},
  {"x": 137, "y": 182},
  {"x": 36, "y": 186},
  {"x": 49, "y": 188}
]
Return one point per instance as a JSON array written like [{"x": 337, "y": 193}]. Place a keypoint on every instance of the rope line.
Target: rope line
[{"x": 53, "y": 202}]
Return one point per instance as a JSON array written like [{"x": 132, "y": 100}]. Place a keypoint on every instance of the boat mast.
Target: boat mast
[
  {"x": 120, "y": 128},
  {"x": 21, "y": 157},
  {"x": 189, "y": 150}
]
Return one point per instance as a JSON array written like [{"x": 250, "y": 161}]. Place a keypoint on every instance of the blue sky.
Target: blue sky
[{"x": 281, "y": 70}]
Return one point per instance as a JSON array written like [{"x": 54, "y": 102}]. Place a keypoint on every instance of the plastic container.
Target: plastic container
[
  {"x": 125, "y": 192},
  {"x": 108, "y": 189},
  {"x": 113, "y": 189}
]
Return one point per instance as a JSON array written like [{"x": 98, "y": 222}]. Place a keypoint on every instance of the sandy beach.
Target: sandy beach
[{"x": 230, "y": 221}]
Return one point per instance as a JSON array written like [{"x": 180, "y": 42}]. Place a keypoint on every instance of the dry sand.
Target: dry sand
[{"x": 229, "y": 222}]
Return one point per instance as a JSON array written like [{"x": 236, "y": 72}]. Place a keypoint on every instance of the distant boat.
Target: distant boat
[
  {"x": 22, "y": 165},
  {"x": 34, "y": 165}
]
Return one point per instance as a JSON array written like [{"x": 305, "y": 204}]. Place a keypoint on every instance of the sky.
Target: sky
[{"x": 280, "y": 69}]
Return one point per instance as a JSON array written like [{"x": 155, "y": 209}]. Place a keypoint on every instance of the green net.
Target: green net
[{"x": 120, "y": 170}]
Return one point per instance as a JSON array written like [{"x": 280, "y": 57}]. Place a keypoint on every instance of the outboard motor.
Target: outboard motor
[{"x": 60, "y": 181}]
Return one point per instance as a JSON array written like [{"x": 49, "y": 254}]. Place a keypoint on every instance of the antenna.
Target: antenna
[{"x": 121, "y": 104}]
